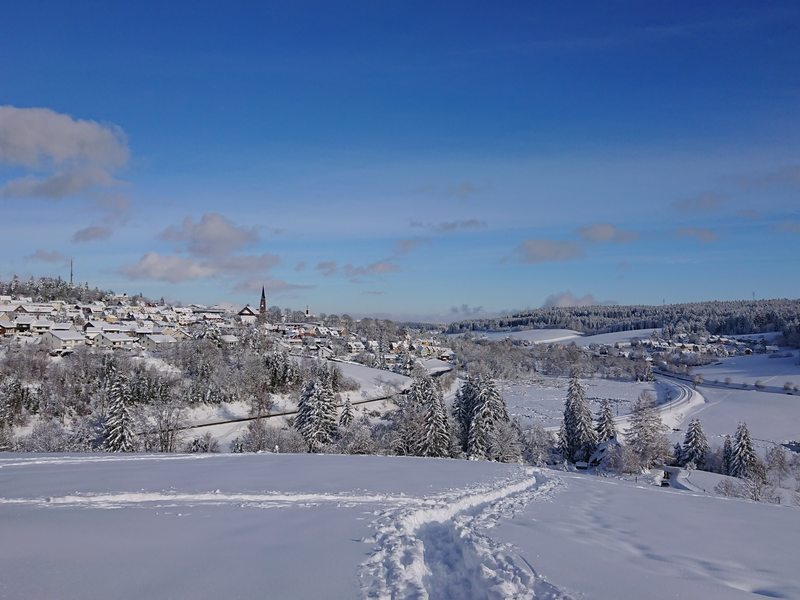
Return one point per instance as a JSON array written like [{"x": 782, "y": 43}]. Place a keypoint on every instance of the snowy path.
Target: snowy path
[
  {"x": 441, "y": 552},
  {"x": 272, "y": 526}
]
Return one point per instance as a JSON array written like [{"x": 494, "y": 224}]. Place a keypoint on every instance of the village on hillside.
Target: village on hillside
[{"x": 121, "y": 323}]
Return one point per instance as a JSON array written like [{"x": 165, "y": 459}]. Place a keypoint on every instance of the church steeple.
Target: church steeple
[{"x": 262, "y": 308}]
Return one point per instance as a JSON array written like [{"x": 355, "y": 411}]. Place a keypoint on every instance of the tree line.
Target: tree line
[{"x": 699, "y": 318}]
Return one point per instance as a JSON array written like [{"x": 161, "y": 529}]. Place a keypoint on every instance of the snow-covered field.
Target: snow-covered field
[
  {"x": 616, "y": 337},
  {"x": 755, "y": 367},
  {"x": 543, "y": 401},
  {"x": 323, "y": 526},
  {"x": 550, "y": 336},
  {"x": 536, "y": 336}
]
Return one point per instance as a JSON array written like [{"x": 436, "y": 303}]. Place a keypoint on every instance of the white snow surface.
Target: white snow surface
[
  {"x": 536, "y": 336},
  {"x": 328, "y": 526},
  {"x": 616, "y": 337}
]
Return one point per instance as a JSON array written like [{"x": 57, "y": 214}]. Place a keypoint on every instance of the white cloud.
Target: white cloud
[
  {"x": 606, "y": 232},
  {"x": 702, "y": 235},
  {"x": 211, "y": 243},
  {"x": 166, "y": 268},
  {"x": 79, "y": 154},
  {"x": 542, "y": 250},
  {"x": 212, "y": 236}
]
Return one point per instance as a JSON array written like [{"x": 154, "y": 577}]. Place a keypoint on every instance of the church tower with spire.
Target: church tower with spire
[{"x": 262, "y": 308}]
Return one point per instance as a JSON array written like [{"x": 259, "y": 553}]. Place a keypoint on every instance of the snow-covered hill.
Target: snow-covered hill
[{"x": 326, "y": 526}]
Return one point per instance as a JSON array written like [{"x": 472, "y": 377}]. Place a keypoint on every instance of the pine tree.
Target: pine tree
[
  {"x": 437, "y": 429},
  {"x": 562, "y": 444},
  {"x": 646, "y": 435},
  {"x": 316, "y": 415},
  {"x": 118, "y": 434},
  {"x": 581, "y": 439},
  {"x": 727, "y": 456},
  {"x": 463, "y": 407},
  {"x": 347, "y": 414},
  {"x": 695, "y": 445},
  {"x": 677, "y": 455},
  {"x": 606, "y": 429},
  {"x": 488, "y": 411},
  {"x": 744, "y": 458}
]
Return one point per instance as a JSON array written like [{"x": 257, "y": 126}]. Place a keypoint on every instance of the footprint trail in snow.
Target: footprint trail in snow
[{"x": 440, "y": 552}]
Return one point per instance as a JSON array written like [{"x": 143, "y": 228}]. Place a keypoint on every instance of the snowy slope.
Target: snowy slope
[{"x": 322, "y": 526}]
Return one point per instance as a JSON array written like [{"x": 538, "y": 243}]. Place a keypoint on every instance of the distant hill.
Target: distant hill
[{"x": 718, "y": 318}]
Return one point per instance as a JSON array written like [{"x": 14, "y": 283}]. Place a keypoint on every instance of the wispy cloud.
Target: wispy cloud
[
  {"x": 750, "y": 214},
  {"x": 380, "y": 267},
  {"x": 459, "y": 190},
  {"x": 465, "y": 310},
  {"x": 702, "y": 203},
  {"x": 377, "y": 268},
  {"x": 702, "y": 235},
  {"x": 77, "y": 154},
  {"x": 791, "y": 226},
  {"x": 274, "y": 287},
  {"x": 462, "y": 190},
  {"x": 327, "y": 268},
  {"x": 54, "y": 257},
  {"x": 567, "y": 299},
  {"x": 406, "y": 246},
  {"x": 787, "y": 176},
  {"x": 606, "y": 232},
  {"x": 543, "y": 250},
  {"x": 91, "y": 234},
  {"x": 450, "y": 226}
]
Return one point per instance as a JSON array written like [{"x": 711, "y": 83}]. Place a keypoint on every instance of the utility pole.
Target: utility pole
[{"x": 70, "y": 272}]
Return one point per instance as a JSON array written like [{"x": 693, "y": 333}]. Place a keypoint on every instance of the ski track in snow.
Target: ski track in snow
[{"x": 440, "y": 552}]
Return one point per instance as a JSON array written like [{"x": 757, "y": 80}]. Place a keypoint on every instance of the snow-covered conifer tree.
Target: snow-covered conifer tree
[
  {"x": 695, "y": 445},
  {"x": 463, "y": 407},
  {"x": 580, "y": 434},
  {"x": 605, "y": 423},
  {"x": 489, "y": 409},
  {"x": 347, "y": 414},
  {"x": 677, "y": 455},
  {"x": 727, "y": 456},
  {"x": 437, "y": 429},
  {"x": 562, "y": 443},
  {"x": 744, "y": 458},
  {"x": 646, "y": 434},
  {"x": 118, "y": 431},
  {"x": 316, "y": 415}
]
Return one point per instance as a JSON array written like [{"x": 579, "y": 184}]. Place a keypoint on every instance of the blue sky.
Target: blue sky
[{"x": 404, "y": 159}]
